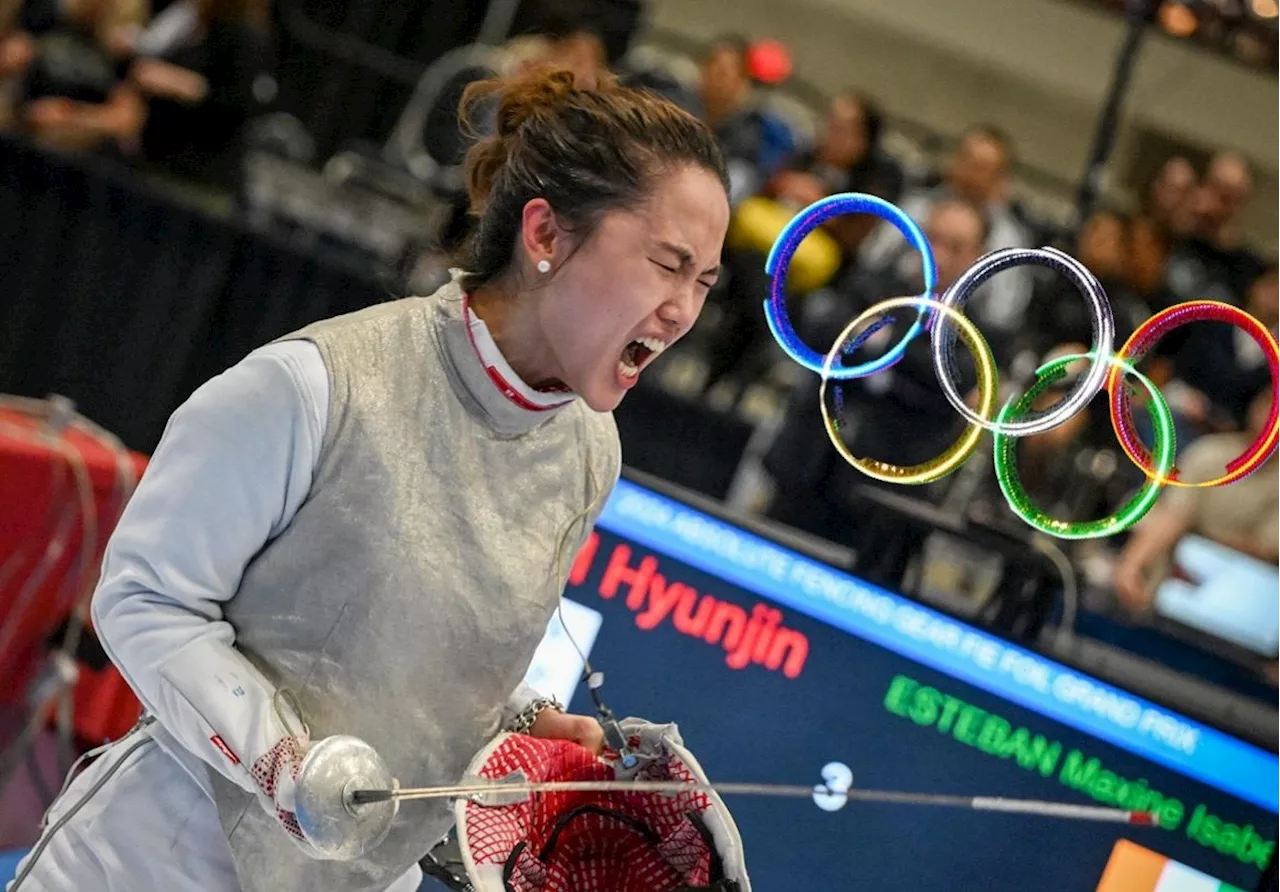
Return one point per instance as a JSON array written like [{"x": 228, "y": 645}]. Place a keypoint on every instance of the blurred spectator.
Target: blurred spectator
[
  {"x": 1101, "y": 245},
  {"x": 66, "y": 65},
  {"x": 1058, "y": 312},
  {"x": 898, "y": 415},
  {"x": 574, "y": 45},
  {"x": 724, "y": 86},
  {"x": 1223, "y": 194},
  {"x": 769, "y": 67},
  {"x": 560, "y": 35},
  {"x": 724, "y": 91},
  {"x": 205, "y": 68},
  {"x": 1213, "y": 263},
  {"x": 1053, "y": 467},
  {"x": 598, "y": 32},
  {"x": 1148, "y": 247},
  {"x": 1167, "y": 199},
  {"x": 1244, "y": 516},
  {"x": 978, "y": 172},
  {"x": 1223, "y": 363},
  {"x": 848, "y": 158},
  {"x": 559, "y": 41},
  {"x": 1147, "y": 252},
  {"x": 1186, "y": 405},
  {"x": 734, "y": 82}
]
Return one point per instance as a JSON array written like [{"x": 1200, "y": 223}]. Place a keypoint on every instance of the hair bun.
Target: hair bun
[
  {"x": 524, "y": 97},
  {"x": 506, "y": 104}
]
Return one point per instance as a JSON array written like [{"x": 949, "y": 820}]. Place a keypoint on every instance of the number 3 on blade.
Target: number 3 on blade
[{"x": 836, "y": 780}]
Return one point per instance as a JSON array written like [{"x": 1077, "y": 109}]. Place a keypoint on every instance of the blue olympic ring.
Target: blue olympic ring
[{"x": 784, "y": 248}]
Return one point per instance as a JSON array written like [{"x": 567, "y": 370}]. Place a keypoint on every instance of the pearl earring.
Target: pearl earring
[{"x": 544, "y": 266}]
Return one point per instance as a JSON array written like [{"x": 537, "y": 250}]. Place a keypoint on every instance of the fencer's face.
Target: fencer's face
[{"x": 634, "y": 287}]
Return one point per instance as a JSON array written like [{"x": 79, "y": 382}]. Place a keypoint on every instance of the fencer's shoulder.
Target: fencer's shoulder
[{"x": 377, "y": 317}]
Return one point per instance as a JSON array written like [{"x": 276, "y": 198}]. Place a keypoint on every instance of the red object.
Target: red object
[
  {"x": 284, "y": 756},
  {"x": 224, "y": 749},
  {"x": 499, "y": 381},
  {"x": 38, "y": 490},
  {"x": 105, "y": 706},
  {"x": 586, "y": 842},
  {"x": 769, "y": 62}
]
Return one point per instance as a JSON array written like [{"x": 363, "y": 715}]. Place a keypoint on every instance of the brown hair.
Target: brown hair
[
  {"x": 586, "y": 151},
  {"x": 992, "y": 133}
]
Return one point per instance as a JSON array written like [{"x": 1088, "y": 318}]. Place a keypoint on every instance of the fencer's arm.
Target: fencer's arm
[{"x": 235, "y": 463}]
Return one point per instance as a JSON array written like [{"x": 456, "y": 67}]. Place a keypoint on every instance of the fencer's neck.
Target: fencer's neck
[{"x": 513, "y": 324}]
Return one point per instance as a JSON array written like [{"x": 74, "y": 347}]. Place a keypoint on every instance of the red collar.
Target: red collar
[{"x": 500, "y": 372}]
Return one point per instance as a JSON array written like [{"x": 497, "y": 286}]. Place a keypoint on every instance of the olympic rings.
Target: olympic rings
[
  {"x": 1129, "y": 513},
  {"x": 1103, "y": 324},
  {"x": 958, "y": 452},
  {"x": 1016, "y": 419},
  {"x": 775, "y": 308},
  {"x": 1145, "y": 338}
]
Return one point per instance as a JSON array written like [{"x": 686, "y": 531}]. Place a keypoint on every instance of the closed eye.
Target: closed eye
[{"x": 678, "y": 270}]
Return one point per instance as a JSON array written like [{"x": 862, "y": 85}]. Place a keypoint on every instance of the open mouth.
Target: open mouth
[{"x": 638, "y": 354}]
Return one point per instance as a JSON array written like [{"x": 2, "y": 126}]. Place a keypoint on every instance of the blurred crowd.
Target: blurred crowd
[
  {"x": 170, "y": 85},
  {"x": 1182, "y": 242}
]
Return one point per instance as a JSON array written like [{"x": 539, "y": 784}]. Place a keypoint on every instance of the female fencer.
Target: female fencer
[{"x": 365, "y": 527}]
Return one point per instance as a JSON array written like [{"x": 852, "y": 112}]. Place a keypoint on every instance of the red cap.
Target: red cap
[{"x": 1142, "y": 818}]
